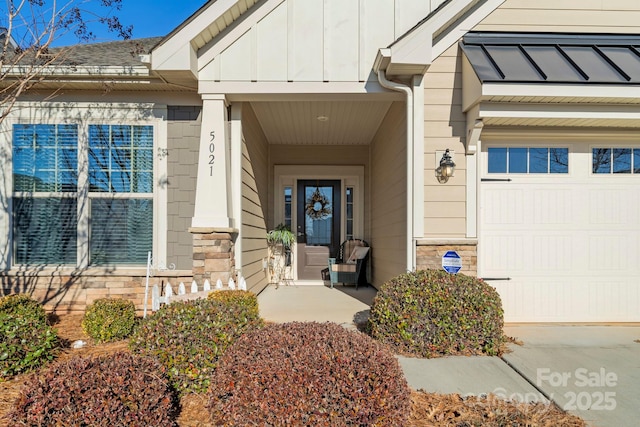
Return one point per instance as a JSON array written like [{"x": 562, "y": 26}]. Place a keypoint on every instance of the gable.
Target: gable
[
  {"x": 304, "y": 41},
  {"x": 288, "y": 40}
]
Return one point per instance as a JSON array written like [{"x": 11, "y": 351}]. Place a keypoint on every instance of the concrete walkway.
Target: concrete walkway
[{"x": 590, "y": 371}]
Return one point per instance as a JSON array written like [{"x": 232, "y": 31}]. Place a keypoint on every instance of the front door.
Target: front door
[{"x": 318, "y": 225}]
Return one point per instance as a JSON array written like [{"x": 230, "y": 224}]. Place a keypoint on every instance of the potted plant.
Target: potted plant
[
  {"x": 280, "y": 241},
  {"x": 281, "y": 235}
]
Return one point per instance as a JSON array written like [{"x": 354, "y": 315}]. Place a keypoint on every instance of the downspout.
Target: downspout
[{"x": 388, "y": 84}]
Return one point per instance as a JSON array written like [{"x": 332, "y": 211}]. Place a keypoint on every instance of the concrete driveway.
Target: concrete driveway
[{"x": 590, "y": 371}]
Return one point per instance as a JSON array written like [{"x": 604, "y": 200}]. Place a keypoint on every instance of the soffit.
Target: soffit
[{"x": 302, "y": 123}]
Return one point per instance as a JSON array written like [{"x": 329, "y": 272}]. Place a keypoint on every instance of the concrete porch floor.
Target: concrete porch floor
[{"x": 308, "y": 302}]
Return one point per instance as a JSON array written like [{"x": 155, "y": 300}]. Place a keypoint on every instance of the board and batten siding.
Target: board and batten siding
[
  {"x": 444, "y": 127},
  {"x": 584, "y": 16},
  {"x": 317, "y": 40},
  {"x": 183, "y": 139},
  {"x": 389, "y": 196},
  {"x": 255, "y": 176}
]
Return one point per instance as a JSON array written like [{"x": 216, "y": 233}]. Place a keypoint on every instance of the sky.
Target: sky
[{"x": 149, "y": 18}]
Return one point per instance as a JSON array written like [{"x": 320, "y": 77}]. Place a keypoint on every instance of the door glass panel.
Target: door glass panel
[{"x": 319, "y": 214}]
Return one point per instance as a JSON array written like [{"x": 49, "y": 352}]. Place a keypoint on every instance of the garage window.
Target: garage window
[
  {"x": 531, "y": 160},
  {"x": 616, "y": 160}
]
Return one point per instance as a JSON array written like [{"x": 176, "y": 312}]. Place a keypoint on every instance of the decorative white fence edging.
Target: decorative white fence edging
[{"x": 169, "y": 296}]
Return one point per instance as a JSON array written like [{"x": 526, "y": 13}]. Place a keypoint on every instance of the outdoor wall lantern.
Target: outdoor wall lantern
[{"x": 446, "y": 168}]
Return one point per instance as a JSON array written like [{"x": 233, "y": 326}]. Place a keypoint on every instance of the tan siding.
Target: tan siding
[
  {"x": 183, "y": 139},
  {"x": 593, "y": 16},
  {"x": 445, "y": 127},
  {"x": 254, "y": 200},
  {"x": 388, "y": 197}
]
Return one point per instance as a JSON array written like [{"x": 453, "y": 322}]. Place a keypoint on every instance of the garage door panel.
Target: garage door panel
[
  {"x": 553, "y": 206},
  {"x": 535, "y": 299},
  {"x": 552, "y": 253},
  {"x": 507, "y": 253},
  {"x": 609, "y": 207},
  {"x": 607, "y": 253},
  {"x": 513, "y": 208},
  {"x": 612, "y": 300}
]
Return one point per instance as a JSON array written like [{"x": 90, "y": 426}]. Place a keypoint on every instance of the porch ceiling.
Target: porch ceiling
[{"x": 320, "y": 122}]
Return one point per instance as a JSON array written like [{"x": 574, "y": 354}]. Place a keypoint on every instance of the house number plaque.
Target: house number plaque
[{"x": 212, "y": 149}]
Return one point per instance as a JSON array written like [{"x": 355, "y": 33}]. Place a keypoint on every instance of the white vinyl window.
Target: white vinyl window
[{"x": 47, "y": 197}]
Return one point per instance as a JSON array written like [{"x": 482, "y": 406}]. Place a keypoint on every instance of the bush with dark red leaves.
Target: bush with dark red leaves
[
  {"x": 308, "y": 374},
  {"x": 114, "y": 390}
]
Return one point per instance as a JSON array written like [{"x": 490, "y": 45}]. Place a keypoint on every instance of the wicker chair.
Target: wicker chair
[{"x": 350, "y": 266}]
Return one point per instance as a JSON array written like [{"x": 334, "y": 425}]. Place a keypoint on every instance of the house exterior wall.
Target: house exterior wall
[
  {"x": 388, "y": 197},
  {"x": 69, "y": 288},
  {"x": 444, "y": 127},
  {"x": 445, "y": 204},
  {"x": 319, "y": 40},
  {"x": 255, "y": 178},
  {"x": 183, "y": 138},
  {"x": 587, "y": 16}
]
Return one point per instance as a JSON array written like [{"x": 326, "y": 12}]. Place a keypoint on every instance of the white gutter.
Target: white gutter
[{"x": 384, "y": 82}]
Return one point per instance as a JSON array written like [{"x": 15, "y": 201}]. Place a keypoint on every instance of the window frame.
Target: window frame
[
  {"x": 635, "y": 148},
  {"x": 158, "y": 193},
  {"x": 527, "y": 147}
]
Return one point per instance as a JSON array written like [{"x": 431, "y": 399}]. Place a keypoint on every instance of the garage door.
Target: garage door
[{"x": 560, "y": 231}]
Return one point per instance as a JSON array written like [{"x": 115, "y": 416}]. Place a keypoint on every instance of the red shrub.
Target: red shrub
[
  {"x": 115, "y": 390},
  {"x": 308, "y": 374}
]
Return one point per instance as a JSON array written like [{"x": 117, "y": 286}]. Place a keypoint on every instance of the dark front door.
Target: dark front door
[{"x": 318, "y": 225}]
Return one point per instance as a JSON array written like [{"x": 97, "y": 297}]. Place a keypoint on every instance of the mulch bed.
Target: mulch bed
[{"x": 428, "y": 409}]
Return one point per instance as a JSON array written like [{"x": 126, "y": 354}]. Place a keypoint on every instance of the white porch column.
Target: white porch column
[{"x": 212, "y": 187}]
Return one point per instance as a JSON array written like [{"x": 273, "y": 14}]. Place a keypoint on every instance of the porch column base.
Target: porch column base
[{"x": 213, "y": 254}]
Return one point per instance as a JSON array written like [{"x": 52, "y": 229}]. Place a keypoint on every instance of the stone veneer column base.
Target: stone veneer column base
[
  {"x": 429, "y": 254},
  {"x": 213, "y": 254}
]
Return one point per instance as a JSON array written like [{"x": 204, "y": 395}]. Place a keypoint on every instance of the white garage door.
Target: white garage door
[{"x": 560, "y": 231}]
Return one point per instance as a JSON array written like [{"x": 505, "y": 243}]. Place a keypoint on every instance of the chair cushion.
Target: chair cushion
[
  {"x": 359, "y": 252},
  {"x": 344, "y": 268}
]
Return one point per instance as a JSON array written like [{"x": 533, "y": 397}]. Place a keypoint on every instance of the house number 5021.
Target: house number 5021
[{"x": 212, "y": 149}]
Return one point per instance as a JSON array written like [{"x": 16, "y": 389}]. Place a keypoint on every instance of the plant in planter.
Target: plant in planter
[{"x": 280, "y": 241}]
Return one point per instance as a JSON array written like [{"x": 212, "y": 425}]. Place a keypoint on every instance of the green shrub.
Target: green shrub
[
  {"x": 308, "y": 374},
  {"x": 188, "y": 337},
  {"x": 244, "y": 301},
  {"x": 26, "y": 339},
  {"x": 431, "y": 312},
  {"x": 109, "y": 319},
  {"x": 111, "y": 390}
]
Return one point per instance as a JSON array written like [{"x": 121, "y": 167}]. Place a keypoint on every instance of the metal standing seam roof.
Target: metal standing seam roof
[{"x": 554, "y": 58}]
